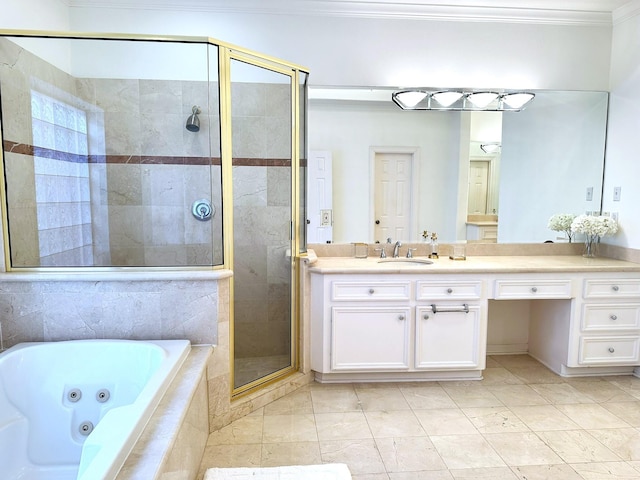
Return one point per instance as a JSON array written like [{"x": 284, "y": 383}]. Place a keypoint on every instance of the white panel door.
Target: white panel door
[
  {"x": 478, "y": 187},
  {"x": 319, "y": 197},
  {"x": 392, "y": 196}
]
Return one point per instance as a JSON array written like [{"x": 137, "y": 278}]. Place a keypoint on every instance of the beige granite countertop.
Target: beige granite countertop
[{"x": 475, "y": 264}]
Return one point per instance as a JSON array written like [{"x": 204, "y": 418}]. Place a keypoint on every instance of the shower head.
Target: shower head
[{"x": 193, "y": 122}]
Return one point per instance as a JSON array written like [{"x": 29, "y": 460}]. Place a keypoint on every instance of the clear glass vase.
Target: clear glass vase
[{"x": 590, "y": 246}]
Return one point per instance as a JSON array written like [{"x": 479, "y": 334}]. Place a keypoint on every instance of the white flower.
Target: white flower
[
  {"x": 598, "y": 226},
  {"x": 561, "y": 222}
]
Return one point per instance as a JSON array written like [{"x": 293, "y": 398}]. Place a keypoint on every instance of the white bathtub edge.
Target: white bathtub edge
[{"x": 156, "y": 441}]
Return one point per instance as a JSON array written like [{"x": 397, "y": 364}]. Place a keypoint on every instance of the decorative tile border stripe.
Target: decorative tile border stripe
[{"x": 25, "y": 149}]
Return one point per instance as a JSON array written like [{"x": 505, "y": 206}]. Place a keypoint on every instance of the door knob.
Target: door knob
[{"x": 377, "y": 222}]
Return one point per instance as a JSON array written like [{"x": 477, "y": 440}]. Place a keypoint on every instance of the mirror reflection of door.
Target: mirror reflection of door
[
  {"x": 319, "y": 197},
  {"x": 478, "y": 187},
  {"x": 393, "y": 191}
]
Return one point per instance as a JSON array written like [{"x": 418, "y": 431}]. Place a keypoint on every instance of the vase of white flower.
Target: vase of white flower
[
  {"x": 561, "y": 222},
  {"x": 593, "y": 227}
]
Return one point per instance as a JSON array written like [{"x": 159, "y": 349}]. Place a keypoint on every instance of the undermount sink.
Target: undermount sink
[{"x": 409, "y": 261}]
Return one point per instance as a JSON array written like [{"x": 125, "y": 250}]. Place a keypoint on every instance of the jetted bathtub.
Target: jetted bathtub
[{"x": 74, "y": 409}]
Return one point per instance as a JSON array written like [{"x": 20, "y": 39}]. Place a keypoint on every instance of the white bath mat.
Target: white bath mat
[{"x": 329, "y": 471}]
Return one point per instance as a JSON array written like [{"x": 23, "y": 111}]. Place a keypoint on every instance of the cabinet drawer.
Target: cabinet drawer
[
  {"x": 612, "y": 288},
  {"x": 609, "y": 350},
  {"x": 546, "y": 288},
  {"x": 611, "y": 317},
  {"x": 453, "y": 290},
  {"x": 359, "y": 291}
]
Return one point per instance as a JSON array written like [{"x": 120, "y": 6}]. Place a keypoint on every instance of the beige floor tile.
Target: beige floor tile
[
  {"x": 499, "y": 376},
  {"x": 625, "y": 442},
  {"x": 298, "y": 402},
  {"x": 546, "y": 472},
  {"x": 371, "y": 476},
  {"x": 517, "y": 395},
  {"x": 628, "y": 411},
  {"x": 492, "y": 363},
  {"x": 536, "y": 374},
  {"x": 606, "y": 471},
  {"x": 472, "y": 397},
  {"x": 361, "y": 456},
  {"x": 591, "y": 415},
  {"x": 377, "y": 399},
  {"x": 602, "y": 392},
  {"x": 328, "y": 400},
  {"x": 342, "y": 426},
  {"x": 577, "y": 446},
  {"x": 290, "y": 453},
  {"x": 394, "y": 424},
  {"x": 628, "y": 383},
  {"x": 424, "y": 475},
  {"x": 522, "y": 448},
  {"x": 560, "y": 393},
  {"x": 432, "y": 396},
  {"x": 495, "y": 420},
  {"x": 466, "y": 451},
  {"x": 448, "y": 421},
  {"x": 511, "y": 361},
  {"x": 289, "y": 428},
  {"x": 227, "y": 456},
  {"x": 544, "y": 417},
  {"x": 491, "y": 473},
  {"x": 244, "y": 430},
  {"x": 409, "y": 454}
]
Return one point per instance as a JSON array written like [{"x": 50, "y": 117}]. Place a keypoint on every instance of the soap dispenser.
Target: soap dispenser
[{"x": 434, "y": 246}]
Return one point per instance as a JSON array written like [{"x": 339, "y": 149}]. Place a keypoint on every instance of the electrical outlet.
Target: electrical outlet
[
  {"x": 614, "y": 216},
  {"x": 325, "y": 218},
  {"x": 589, "y": 194},
  {"x": 617, "y": 191}
]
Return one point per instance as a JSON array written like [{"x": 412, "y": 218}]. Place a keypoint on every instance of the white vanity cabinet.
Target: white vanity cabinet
[
  {"x": 449, "y": 325},
  {"x": 609, "y": 329},
  {"x": 375, "y": 327}
]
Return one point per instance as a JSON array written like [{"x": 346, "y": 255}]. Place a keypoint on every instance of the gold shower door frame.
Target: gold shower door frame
[{"x": 226, "y": 56}]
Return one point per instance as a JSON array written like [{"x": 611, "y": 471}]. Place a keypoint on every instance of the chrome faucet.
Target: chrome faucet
[{"x": 396, "y": 249}]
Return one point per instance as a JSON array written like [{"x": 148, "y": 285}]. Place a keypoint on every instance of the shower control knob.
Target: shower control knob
[{"x": 202, "y": 209}]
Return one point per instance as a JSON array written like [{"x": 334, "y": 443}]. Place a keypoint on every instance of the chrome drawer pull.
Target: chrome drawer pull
[
  {"x": 534, "y": 289},
  {"x": 371, "y": 291},
  {"x": 615, "y": 288},
  {"x": 613, "y": 317},
  {"x": 449, "y": 290},
  {"x": 401, "y": 317},
  {"x": 425, "y": 316},
  {"x": 611, "y": 350},
  {"x": 463, "y": 308}
]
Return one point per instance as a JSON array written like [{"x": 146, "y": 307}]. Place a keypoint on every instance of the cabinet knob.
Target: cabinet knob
[
  {"x": 615, "y": 288},
  {"x": 534, "y": 289},
  {"x": 449, "y": 290},
  {"x": 613, "y": 317},
  {"x": 371, "y": 291},
  {"x": 425, "y": 316},
  {"x": 611, "y": 350},
  {"x": 401, "y": 317}
]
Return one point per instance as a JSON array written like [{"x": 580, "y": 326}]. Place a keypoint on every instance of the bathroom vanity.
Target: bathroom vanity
[{"x": 405, "y": 321}]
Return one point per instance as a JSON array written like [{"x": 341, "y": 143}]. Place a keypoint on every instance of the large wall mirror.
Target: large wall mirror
[{"x": 546, "y": 159}]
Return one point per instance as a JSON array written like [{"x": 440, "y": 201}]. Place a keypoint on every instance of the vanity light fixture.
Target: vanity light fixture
[
  {"x": 516, "y": 100},
  {"x": 481, "y": 99},
  {"x": 459, "y": 99},
  {"x": 446, "y": 98},
  {"x": 490, "y": 147},
  {"x": 409, "y": 99}
]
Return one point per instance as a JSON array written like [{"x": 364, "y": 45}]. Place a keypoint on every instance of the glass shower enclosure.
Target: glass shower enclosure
[{"x": 132, "y": 152}]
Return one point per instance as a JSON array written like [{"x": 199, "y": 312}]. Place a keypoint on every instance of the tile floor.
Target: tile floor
[{"x": 521, "y": 422}]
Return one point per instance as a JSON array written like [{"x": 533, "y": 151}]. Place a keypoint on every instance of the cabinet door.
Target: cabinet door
[
  {"x": 370, "y": 338},
  {"x": 447, "y": 340}
]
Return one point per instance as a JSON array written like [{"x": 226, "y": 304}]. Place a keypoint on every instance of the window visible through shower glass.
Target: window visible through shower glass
[
  {"x": 261, "y": 109},
  {"x": 100, "y": 168}
]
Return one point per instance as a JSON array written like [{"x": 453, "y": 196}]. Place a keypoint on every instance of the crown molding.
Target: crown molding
[
  {"x": 626, "y": 12},
  {"x": 491, "y": 11}
]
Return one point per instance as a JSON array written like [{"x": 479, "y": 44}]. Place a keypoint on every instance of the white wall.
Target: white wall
[
  {"x": 622, "y": 163},
  {"x": 391, "y": 52}
]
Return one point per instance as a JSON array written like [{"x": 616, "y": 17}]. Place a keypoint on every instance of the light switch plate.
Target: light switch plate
[{"x": 617, "y": 191}]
